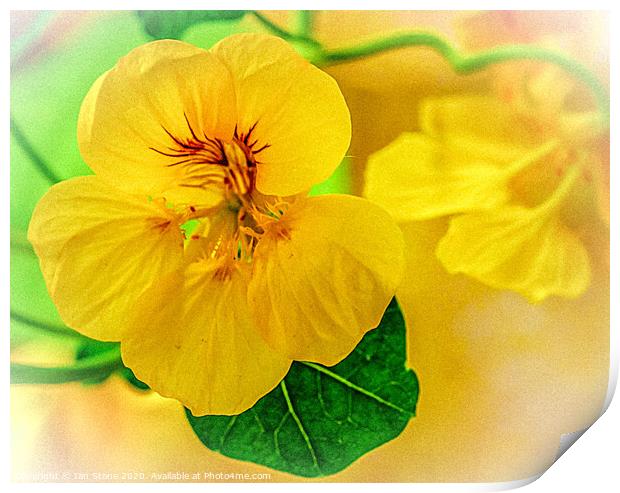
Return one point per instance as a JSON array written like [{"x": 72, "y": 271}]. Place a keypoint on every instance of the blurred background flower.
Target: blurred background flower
[{"x": 501, "y": 379}]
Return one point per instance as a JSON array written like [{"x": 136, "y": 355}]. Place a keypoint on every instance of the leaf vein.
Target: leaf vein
[
  {"x": 357, "y": 388},
  {"x": 258, "y": 420},
  {"x": 227, "y": 430},
  {"x": 276, "y": 432},
  {"x": 300, "y": 426}
]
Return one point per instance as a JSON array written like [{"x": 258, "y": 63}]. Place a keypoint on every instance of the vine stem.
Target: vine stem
[
  {"x": 34, "y": 156},
  {"x": 99, "y": 365},
  {"x": 45, "y": 326},
  {"x": 283, "y": 33},
  {"x": 466, "y": 64},
  {"x": 305, "y": 23}
]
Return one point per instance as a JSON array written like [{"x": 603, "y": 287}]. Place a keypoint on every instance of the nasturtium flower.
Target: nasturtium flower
[
  {"x": 195, "y": 244},
  {"x": 520, "y": 189}
]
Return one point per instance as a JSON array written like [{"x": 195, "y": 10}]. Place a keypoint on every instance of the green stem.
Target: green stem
[
  {"x": 283, "y": 33},
  {"x": 305, "y": 23},
  {"x": 34, "y": 156},
  {"x": 466, "y": 64},
  {"x": 48, "y": 327},
  {"x": 100, "y": 365},
  {"x": 272, "y": 27}
]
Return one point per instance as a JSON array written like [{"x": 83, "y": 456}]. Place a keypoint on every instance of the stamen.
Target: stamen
[
  {"x": 230, "y": 166},
  {"x": 250, "y": 232},
  {"x": 203, "y": 158}
]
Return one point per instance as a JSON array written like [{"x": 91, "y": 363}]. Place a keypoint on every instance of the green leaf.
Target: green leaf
[
  {"x": 172, "y": 24},
  {"x": 319, "y": 420}
]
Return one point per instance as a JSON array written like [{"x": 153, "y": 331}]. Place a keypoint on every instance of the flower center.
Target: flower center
[
  {"x": 238, "y": 222},
  {"x": 211, "y": 162}
]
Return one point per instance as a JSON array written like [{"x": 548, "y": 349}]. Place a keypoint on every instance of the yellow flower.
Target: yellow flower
[
  {"x": 520, "y": 187},
  {"x": 231, "y": 138}
]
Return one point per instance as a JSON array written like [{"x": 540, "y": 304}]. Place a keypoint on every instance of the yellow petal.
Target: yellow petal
[
  {"x": 297, "y": 108},
  {"x": 323, "y": 276},
  {"x": 549, "y": 90},
  {"x": 134, "y": 110},
  {"x": 518, "y": 249},
  {"x": 409, "y": 179},
  {"x": 192, "y": 339},
  {"x": 478, "y": 128},
  {"x": 99, "y": 249}
]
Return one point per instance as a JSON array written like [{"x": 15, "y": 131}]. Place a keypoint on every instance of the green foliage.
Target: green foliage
[
  {"x": 338, "y": 182},
  {"x": 129, "y": 375},
  {"x": 91, "y": 347},
  {"x": 172, "y": 24},
  {"x": 88, "y": 348},
  {"x": 319, "y": 420}
]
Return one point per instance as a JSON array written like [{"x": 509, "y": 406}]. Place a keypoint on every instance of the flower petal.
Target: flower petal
[
  {"x": 518, "y": 249},
  {"x": 133, "y": 113},
  {"x": 323, "y": 276},
  {"x": 298, "y": 110},
  {"x": 99, "y": 249},
  {"x": 409, "y": 179},
  {"x": 193, "y": 339},
  {"x": 479, "y": 128}
]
